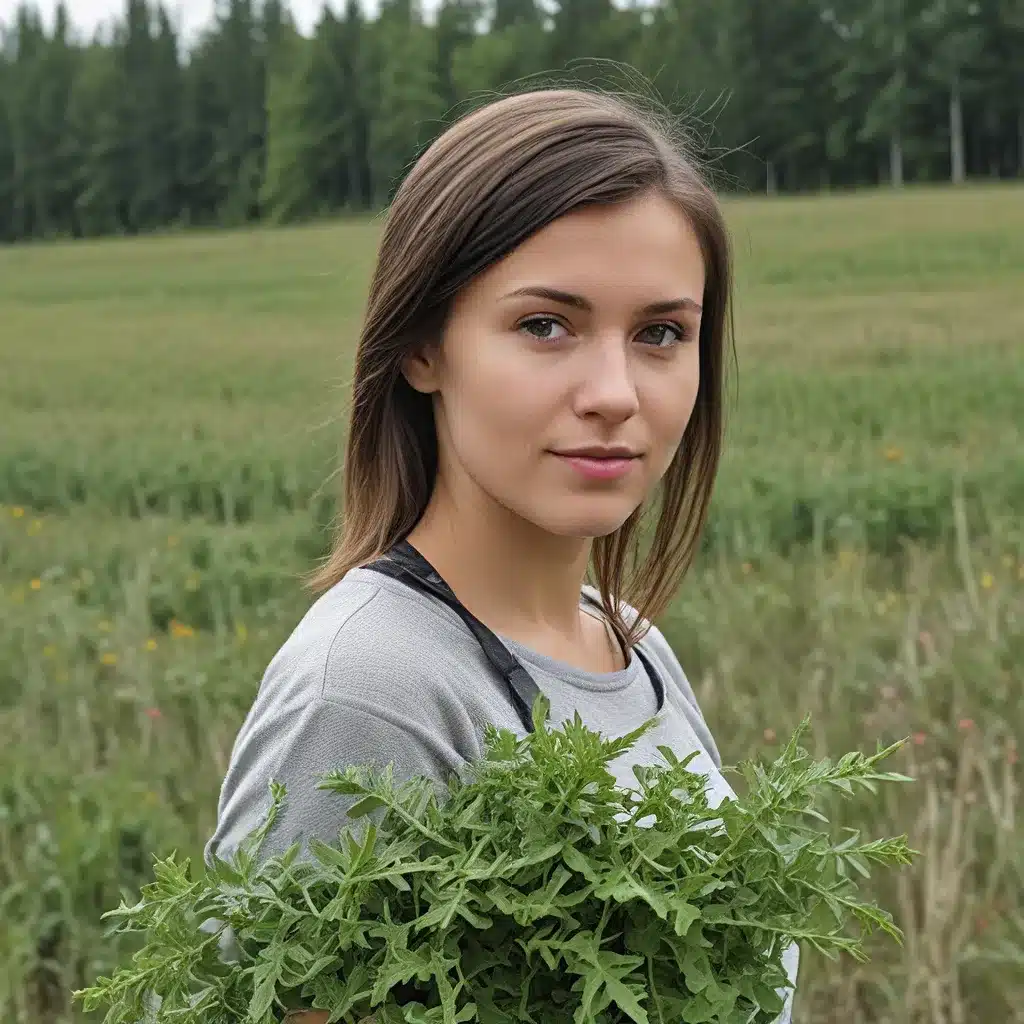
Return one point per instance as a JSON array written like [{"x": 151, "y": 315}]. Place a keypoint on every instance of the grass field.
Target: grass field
[{"x": 171, "y": 415}]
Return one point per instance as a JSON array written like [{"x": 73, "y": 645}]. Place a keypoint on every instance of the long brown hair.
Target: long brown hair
[{"x": 493, "y": 179}]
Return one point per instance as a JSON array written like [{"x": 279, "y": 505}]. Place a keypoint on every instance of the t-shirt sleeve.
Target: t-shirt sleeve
[{"x": 297, "y": 748}]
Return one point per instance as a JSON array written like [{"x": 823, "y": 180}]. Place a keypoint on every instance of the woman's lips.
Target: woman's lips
[{"x": 600, "y": 468}]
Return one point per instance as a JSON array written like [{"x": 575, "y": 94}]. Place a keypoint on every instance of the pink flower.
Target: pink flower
[
  {"x": 965, "y": 724},
  {"x": 154, "y": 713},
  {"x": 919, "y": 738},
  {"x": 769, "y": 735}
]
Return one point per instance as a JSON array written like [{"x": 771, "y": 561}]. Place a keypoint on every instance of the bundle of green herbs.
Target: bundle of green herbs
[{"x": 534, "y": 890}]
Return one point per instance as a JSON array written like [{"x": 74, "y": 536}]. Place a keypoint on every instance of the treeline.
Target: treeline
[{"x": 133, "y": 131}]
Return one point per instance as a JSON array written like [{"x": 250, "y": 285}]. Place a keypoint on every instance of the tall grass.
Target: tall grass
[{"x": 170, "y": 426}]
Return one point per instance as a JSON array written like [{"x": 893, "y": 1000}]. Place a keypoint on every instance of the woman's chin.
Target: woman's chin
[{"x": 584, "y": 527}]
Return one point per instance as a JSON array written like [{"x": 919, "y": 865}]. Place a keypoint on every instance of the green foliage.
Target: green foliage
[
  {"x": 141, "y": 130},
  {"x": 534, "y": 889}
]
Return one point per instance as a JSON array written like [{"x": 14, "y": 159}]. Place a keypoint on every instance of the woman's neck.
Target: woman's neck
[{"x": 518, "y": 579}]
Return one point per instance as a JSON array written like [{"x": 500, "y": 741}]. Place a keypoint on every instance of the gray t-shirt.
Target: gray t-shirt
[{"x": 379, "y": 673}]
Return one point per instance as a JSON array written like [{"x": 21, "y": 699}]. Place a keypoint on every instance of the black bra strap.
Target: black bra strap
[
  {"x": 652, "y": 672},
  {"x": 404, "y": 563}
]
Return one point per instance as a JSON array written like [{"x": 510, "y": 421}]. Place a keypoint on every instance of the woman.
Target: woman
[{"x": 539, "y": 375}]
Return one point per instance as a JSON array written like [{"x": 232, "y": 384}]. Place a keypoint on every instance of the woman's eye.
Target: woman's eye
[
  {"x": 543, "y": 327},
  {"x": 662, "y": 335}
]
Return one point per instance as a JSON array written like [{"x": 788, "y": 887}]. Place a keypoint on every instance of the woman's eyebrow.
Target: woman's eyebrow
[{"x": 580, "y": 302}]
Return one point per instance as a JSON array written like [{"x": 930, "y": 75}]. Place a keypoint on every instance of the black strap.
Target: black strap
[{"x": 405, "y": 564}]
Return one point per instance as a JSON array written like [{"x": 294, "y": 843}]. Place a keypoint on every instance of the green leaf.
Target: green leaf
[{"x": 684, "y": 915}]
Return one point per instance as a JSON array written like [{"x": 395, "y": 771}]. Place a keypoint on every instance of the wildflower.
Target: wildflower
[
  {"x": 49, "y": 651},
  {"x": 965, "y": 724},
  {"x": 153, "y": 713},
  {"x": 179, "y": 629},
  {"x": 241, "y": 632},
  {"x": 769, "y": 735},
  {"x": 747, "y": 567},
  {"x": 919, "y": 738},
  {"x": 17, "y": 511},
  {"x": 150, "y": 644},
  {"x": 36, "y": 584},
  {"x": 108, "y": 658},
  {"x": 893, "y": 454},
  {"x": 987, "y": 580}
]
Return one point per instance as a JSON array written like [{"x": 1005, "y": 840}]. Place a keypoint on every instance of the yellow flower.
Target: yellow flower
[
  {"x": 36, "y": 584},
  {"x": 108, "y": 658},
  {"x": 34, "y": 527},
  {"x": 179, "y": 629},
  {"x": 987, "y": 580},
  {"x": 150, "y": 644},
  {"x": 104, "y": 626},
  {"x": 17, "y": 511},
  {"x": 893, "y": 454},
  {"x": 49, "y": 651},
  {"x": 241, "y": 632}
]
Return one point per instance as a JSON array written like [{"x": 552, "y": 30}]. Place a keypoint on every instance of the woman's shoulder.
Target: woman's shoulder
[
  {"x": 372, "y": 644},
  {"x": 368, "y": 618},
  {"x": 369, "y": 676}
]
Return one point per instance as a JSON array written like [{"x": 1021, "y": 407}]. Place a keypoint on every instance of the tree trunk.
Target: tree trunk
[
  {"x": 771, "y": 184},
  {"x": 957, "y": 169},
  {"x": 895, "y": 159},
  {"x": 1020, "y": 142}
]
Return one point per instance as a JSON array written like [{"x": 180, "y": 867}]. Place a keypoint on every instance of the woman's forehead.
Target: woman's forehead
[{"x": 645, "y": 250}]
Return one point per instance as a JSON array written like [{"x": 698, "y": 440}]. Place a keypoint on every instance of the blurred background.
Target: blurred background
[{"x": 192, "y": 203}]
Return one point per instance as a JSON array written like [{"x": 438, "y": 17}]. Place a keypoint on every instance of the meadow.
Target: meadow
[{"x": 171, "y": 411}]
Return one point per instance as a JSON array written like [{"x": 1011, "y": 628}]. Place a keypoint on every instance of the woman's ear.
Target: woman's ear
[{"x": 421, "y": 368}]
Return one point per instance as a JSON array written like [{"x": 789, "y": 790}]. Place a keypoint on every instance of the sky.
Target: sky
[{"x": 189, "y": 15}]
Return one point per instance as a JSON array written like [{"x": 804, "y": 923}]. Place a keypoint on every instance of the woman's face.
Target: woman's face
[{"x": 567, "y": 372}]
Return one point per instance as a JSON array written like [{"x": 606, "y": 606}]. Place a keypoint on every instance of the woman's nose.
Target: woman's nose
[{"x": 607, "y": 388}]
